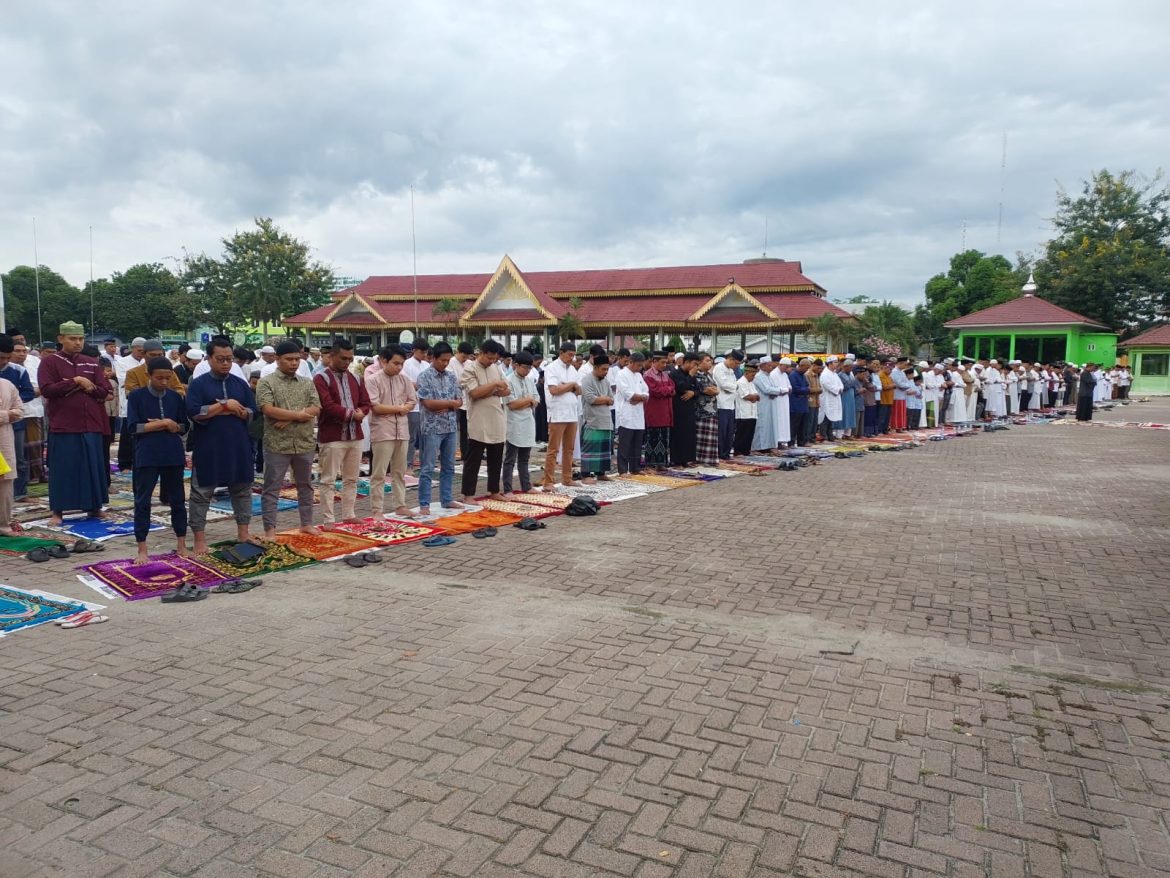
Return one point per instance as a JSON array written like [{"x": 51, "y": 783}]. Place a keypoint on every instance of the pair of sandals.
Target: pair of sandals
[
  {"x": 439, "y": 540},
  {"x": 80, "y": 620},
  {"x": 530, "y": 524},
  {"x": 484, "y": 533},
  {"x": 189, "y": 592},
  {"x": 44, "y": 553},
  {"x": 363, "y": 559}
]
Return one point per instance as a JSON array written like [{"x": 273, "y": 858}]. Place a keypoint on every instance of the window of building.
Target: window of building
[{"x": 1155, "y": 365}]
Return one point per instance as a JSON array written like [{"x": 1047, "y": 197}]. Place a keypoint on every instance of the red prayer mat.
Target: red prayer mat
[
  {"x": 325, "y": 545},
  {"x": 387, "y": 530}
]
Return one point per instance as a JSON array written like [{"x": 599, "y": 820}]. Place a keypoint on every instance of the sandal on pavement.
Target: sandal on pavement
[
  {"x": 372, "y": 558},
  {"x": 39, "y": 554},
  {"x": 83, "y": 619},
  {"x": 484, "y": 532},
  {"x": 530, "y": 524},
  {"x": 84, "y": 545},
  {"x": 355, "y": 561},
  {"x": 185, "y": 594},
  {"x": 57, "y": 551},
  {"x": 436, "y": 541},
  {"x": 237, "y": 586}
]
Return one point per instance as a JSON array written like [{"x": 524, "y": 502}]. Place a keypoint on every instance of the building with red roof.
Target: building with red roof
[
  {"x": 723, "y": 303},
  {"x": 1149, "y": 359},
  {"x": 1034, "y": 330}
]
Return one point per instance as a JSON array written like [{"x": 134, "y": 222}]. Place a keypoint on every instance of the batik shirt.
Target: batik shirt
[
  {"x": 708, "y": 406},
  {"x": 433, "y": 384}
]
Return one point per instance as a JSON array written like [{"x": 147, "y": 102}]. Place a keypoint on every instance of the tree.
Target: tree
[
  {"x": 207, "y": 292},
  {"x": 1110, "y": 259},
  {"x": 888, "y": 323},
  {"x": 448, "y": 310},
  {"x": 269, "y": 274},
  {"x": 974, "y": 281},
  {"x": 570, "y": 325},
  {"x": 60, "y": 301},
  {"x": 143, "y": 300},
  {"x": 831, "y": 327}
]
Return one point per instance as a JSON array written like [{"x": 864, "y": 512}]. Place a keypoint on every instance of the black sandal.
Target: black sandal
[
  {"x": 184, "y": 594},
  {"x": 484, "y": 532},
  {"x": 40, "y": 554},
  {"x": 57, "y": 551},
  {"x": 355, "y": 561},
  {"x": 237, "y": 586}
]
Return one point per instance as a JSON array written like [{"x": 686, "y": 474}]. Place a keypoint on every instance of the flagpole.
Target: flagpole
[
  {"x": 37, "y": 275},
  {"x": 92, "y": 327},
  {"x": 414, "y": 262}
]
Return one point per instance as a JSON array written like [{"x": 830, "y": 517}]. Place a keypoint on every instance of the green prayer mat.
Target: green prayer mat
[
  {"x": 276, "y": 557},
  {"x": 38, "y": 489},
  {"x": 16, "y": 546}
]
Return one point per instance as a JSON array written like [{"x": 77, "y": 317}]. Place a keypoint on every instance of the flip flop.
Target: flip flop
[
  {"x": 237, "y": 586},
  {"x": 436, "y": 541},
  {"x": 57, "y": 551},
  {"x": 39, "y": 555},
  {"x": 355, "y": 561},
  {"x": 484, "y": 532},
  {"x": 185, "y": 594},
  {"x": 83, "y": 619},
  {"x": 84, "y": 545},
  {"x": 530, "y": 524},
  {"x": 372, "y": 558}
]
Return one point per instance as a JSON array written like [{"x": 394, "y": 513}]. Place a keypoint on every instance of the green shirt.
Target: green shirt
[{"x": 293, "y": 393}]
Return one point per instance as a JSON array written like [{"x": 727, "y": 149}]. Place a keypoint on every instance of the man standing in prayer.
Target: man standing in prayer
[
  {"x": 630, "y": 411},
  {"x": 685, "y": 402},
  {"x": 137, "y": 377},
  {"x": 392, "y": 397},
  {"x": 34, "y": 414},
  {"x": 832, "y": 409},
  {"x": 440, "y": 397},
  {"x": 993, "y": 391},
  {"x": 902, "y": 386},
  {"x": 345, "y": 404},
  {"x": 848, "y": 395},
  {"x": 885, "y": 396},
  {"x": 798, "y": 410},
  {"x": 1086, "y": 391},
  {"x": 815, "y": 415},
  {"x": 290, "y": 405},
  {"x": 561, "y": 390},
  {"x": 597, "y": 432},
  {"x": 464, "y": 351},
  {"x": 521, "y": 403},
  {"x": 487, "y": 420},
  {"x": 931, "y": 391},
  {"x": 724, "y": 376},
  {"x": 413, "y": 368},
  {"x": 75, "y": 389},
  {"x": 158, "y": 422},
  {"x": 1124, "y": 381},
  {"x": 780, "y": 411},
  {"x": 659, "y": 412},
  {"x": 122, "y": 365},
  {"x": 747, "y": 398},
  {"x": 220, "y": 407},
  {"x": 764, "y": 434},
  {"x": 706, "y": 414},
  {"x": 11, "y": 412},
  {"x": 17, "y": 375}
]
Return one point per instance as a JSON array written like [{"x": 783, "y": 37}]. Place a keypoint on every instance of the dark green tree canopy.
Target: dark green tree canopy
[{"x": 60, "y": 301}]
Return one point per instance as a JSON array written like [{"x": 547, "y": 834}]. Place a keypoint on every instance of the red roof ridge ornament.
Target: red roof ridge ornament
[{"x": 1030, "y": 287}]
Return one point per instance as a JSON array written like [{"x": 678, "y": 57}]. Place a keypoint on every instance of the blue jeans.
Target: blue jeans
[
  {"x": 19, "y": 440},
  {"x": 441, "y": 445}
]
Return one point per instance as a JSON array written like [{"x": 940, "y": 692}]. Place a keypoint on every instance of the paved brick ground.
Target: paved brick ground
[{"x": 660, "y": 691}]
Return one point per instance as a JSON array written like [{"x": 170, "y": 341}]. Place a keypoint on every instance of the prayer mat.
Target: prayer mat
[
  {"x": 276, "y": 557},
  {"x": 289, "y": 492},
  {"x": 325, "y": 545},
  {"x": 97, "y": 529},
  {"x": 29, "y": 511},
  {"x": 23, "y": 609},
  {"x": 524, "y": 510},
  {"x": 38, "y": 489},
  {"x": 610, "y": 492},
  {"x": 388, "y": 530},
  {"x": 438, "y": 512},
  {"x": 656, "y": 480},
  {"x": 744, "y": 467},
  {"x": 713, "y": 471},
  {"x": 225, "y": 505},
  {"x": 16, "y": 547},
  {"x": 689, "y": 474},
  {"x": 473, "y": 521},
  {"x": 552, "y": 501},
  {"x": 160, "y": 575}
]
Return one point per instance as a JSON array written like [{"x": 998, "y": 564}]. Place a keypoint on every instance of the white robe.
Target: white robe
[
  {"x": 780, "y": 409},
  {"x": 993, "y": 393},
  {"x": 1013, "y": 392},
  {"x": 1034, "y": 386},
  {"x": 831, "y": 388}
]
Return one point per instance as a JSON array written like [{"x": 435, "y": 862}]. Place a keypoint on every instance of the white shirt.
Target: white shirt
[
  {"x": 35, "y": 407},
  {"x": 745, "y": 409},
  {"x": 412, "y": 368},
  {"x": 122, "y": 365},
  {"x": 203, "y": 367},
  {"x": 632, "y": 416},
  {"x": 725, "y": 380},
  {"x": 456, "y": 367},
  {"x": 562, "y": 408}
]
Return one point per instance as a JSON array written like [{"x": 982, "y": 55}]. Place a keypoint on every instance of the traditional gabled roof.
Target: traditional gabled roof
[
  {"x": 507, "y": 295},
  {"x": 351, "y": 307},
  {"x": 1027, "y": 310},
  {"x": 733, "y": 297},
  {"x": 1154, "y": 337}
]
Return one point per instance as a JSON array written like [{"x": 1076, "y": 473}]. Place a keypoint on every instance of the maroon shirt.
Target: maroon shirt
[
  {"x": 660, "y": 405},
  {"x": 341, "y": 395},
  {"x": 69, "y": 408}
]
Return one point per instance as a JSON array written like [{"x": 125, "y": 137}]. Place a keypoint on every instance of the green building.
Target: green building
[
  {"x": 1033, "y": 330},
  {"x": 1149, "y": 360}
]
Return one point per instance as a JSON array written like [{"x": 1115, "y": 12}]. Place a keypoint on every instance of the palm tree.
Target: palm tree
[
  {"x": 828, "y": 326},
  {"x": 448, "y": 310},
  {"x": 570, "y": 325}
]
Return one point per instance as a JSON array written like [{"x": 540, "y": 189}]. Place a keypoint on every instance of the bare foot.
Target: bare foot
[
  {"x": 200, "y": 546},
  {"x": 405, "y": 512},
  {"x": 604, "y": 478},
  {"x": 312, "y": 530},
  {"x": 468, "y": 500},
  {"x": 143, "y": 556},
  {"x": 247, "y": 537},
  {"x": 7, "y": 532},
  {"x": 270, "y": 535},
  {"x": 589, "y": 481},
  {"x": 507, "y": 496},
  {"x": 574, "y": 484},
  {"x": 424, "y": 510},
  {"x": 496, "y": 496},
  {"x": 55, "y": 520},
  {"x": 454, "y": 504}
]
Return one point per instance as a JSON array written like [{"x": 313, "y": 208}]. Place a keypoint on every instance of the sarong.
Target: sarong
[
  {"x": 898, "y": 419},
  {"x": 596, "y": 450},
  {"x": 656, "y": 446},
  {"x": 77, "y": 478},
  {"x": 707, "y": 441}
]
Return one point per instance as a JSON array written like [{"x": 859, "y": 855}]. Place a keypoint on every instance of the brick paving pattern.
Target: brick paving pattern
[{"x": 971, "y": 680}]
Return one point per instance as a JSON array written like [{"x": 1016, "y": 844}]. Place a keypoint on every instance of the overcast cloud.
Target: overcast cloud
[{"x": 569, "y": 134}]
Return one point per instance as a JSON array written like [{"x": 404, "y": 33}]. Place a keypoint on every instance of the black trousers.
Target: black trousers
[
  {"x": 797, "y": 426},
  {"x": 1025, "y": 398},
  {"x": 629, "y": 450},
  {"x": 726, "y": 432},
  {"x": 461, "y": 417},
  {"x": 884, "y": 412},
  {"x": 1084, "y": 408},
  {"x": 913, "y": 418},
  {"x": 145, "y": 478},
  {"x": 125, "y": 447},
  {"x": 745, "y": 431},
  {"x": 475, "y": 454}
]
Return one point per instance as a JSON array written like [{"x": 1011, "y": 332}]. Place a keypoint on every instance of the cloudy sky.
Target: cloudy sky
[{"x": 569, "y": 134}]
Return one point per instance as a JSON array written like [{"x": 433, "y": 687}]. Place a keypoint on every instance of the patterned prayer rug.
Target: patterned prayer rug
[
  {"x": 16, "y": 547},
  {"x": 289, "y": 492},
  {"x": 282, "y": 505},
  {"x": 325, "y": 545},
  {"x": 438, "y": 512},
  {"x": 691, "y": 474},
  {"x": 524, "y": 510},
  {"x": 277, "y": 557},
  {"x": 388, "y": 530},
  {"x": 23, "y": 609},
  {"x": 744, "y": 467},
  {"x": 611, "y": 492},
  {"x": 25, "y": 511},
  {"x": 473, "y": 521},
  {"x": 158, "y": 576},
  {"x": 655, "y": 480},
  {"x": 714, "y": 471},
  {"x": 552, "y": 501},
  {"x": 115, "y": 524}
]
